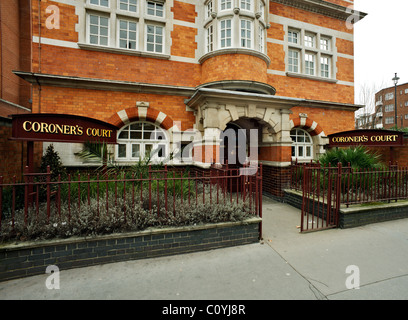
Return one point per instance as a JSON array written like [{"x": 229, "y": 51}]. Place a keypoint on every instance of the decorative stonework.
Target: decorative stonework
[{"x": 321, "y": 7}]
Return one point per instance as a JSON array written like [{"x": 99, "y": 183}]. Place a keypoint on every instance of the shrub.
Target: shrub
[
  {"x": 358, "y": 157},
  {"x": 120, "y": 215},
  {"x": 51, "y": 158}
]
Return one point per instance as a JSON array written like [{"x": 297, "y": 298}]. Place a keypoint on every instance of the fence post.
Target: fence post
[
  {"x": 26, "y": 194},
  {"x": 338, "y": 194},
  {"x": 48, "y": 180},
  {"x": 304, "y": 194},
  {"x": 260, "y": 199},
  {"x": 165, "y": 188},
  {"x": 69, "y": 197},
  {"x": 59, "y": 196},
  {"x": 150, "y": 189},
  {"x": 13, "y": 204}
]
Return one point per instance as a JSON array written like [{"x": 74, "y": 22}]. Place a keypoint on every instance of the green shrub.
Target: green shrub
[
  {"x": 52, "y": 159},
  {"x": 96, "y": 218},
  {"x": 358, "y": 157}
]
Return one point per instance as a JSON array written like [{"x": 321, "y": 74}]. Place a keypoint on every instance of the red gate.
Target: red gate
[{"x": 321, "y": 199}]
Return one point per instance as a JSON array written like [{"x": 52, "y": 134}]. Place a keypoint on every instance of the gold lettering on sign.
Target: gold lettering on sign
[
  {"x": 44, "y": 127},
  {"x": 66, "y": 129},
  {"x": 364, "y": 138}
]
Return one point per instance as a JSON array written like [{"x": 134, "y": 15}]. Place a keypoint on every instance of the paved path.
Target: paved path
[{"x": 288, "y": 265}]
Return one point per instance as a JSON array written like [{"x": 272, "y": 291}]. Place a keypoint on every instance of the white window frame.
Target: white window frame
[
  {"x": 225, "y": 5},
  {"x": 293, "y": 35},
  {"x": 245, "y": 5},
  {"x": 246, "y": 41},
  {"x": 325, "y": 70},
  {"x": 98, "y": 35},
  {"x": 155, "y": 9},
  {"x": 128, "y": 40},
  {"x": 99, "y": 3},
  {"x": 300, "y": 149},
  {"x": 389, "y": 108},
  {"x": 310, "y": 64},
  {"x": 147, "y": 25},
  {"x": 389, "y": 96},
  {"x": 309, "y": 40},
  {"x": 261, "y": 39},
  {"x": 225, "y": 38},
  {"x": 142, "y": 142},
  {"x": 317, "y": 55},
  {"x": 209, "y": 38},
  {"x": 209, "y": 8},
  {"x": 389, "y": 120},
  {"x": 292, "y": 60},
  {"x": 325, "y": 43},
  {"x": 128, "y": 5}
]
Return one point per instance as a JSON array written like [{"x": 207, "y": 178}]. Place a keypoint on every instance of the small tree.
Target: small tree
[{"x": 52, "y": 159}]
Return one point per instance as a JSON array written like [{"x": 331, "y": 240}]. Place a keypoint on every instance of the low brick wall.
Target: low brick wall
[
  {"x": 358, "y": 215},
  {"x": 361, "y": 215},
  {"x": 27, "y": 259}
]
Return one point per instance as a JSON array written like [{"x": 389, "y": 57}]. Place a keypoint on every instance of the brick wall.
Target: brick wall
[
  {"x": 13, "y": 154},
  {"x": 393, "y": 154},
  {"x": 330, "y": 120},
  {"x": 31, "y": 259},
  {"x": 233, "y": 67},
  {"x": 103, "y": 105},
  {"x": 275, "y": 180}
]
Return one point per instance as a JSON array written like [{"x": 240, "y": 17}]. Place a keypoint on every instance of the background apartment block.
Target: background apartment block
[
  {"x": 385, "y": 107},
  {"x": 283, "y": 67}
]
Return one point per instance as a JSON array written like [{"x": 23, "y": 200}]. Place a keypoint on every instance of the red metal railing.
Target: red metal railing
[
  {"x": 356, "y": 186},
  {"x": 160, "y": 191},
  {"x": 325, "y": 189}
]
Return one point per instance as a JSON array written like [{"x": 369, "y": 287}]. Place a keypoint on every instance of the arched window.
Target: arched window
[
  {"x": 302, "y": 147},
  {"x": 139, "y": 140}
]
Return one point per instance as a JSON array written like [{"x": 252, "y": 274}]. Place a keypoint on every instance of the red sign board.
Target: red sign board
[
  {"x": 61, "y": 128},
  {"x": 369, "y": 138}
]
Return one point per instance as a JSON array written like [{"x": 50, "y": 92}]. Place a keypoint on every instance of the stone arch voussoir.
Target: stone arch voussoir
[{"x": 126, "y": 116}]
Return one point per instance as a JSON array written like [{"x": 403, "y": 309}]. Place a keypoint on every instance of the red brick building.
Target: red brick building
[
  {"x": 15, "y": 93},
  {"x": 385, "y": 107},
  {"x": 179, "y": 67}
]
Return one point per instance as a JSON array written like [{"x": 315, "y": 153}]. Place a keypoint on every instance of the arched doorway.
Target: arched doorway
[{"x": 233, "y": 146}]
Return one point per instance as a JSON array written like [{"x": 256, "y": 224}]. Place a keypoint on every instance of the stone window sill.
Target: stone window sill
[
  {"x": 305, "y": 76},
  {"x": 87, "y": 46}
]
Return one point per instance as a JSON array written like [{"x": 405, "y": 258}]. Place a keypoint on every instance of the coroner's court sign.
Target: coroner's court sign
[
  {"x": 369, "y": 138},
  {"x": 61, "y": 128}
]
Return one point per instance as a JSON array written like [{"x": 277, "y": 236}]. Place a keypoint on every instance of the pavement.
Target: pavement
[{"x": 364, "y": 263}]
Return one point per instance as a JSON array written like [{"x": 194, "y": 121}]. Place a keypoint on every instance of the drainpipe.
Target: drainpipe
[
  {"x": 39, "y": 36},
  {"x": 39, "y": 55}
]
